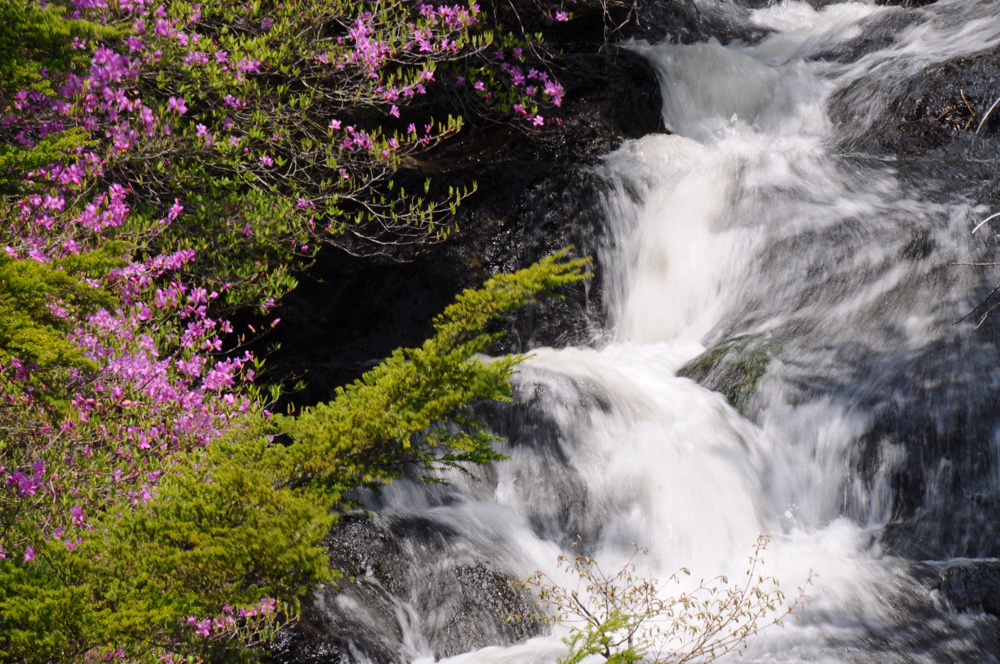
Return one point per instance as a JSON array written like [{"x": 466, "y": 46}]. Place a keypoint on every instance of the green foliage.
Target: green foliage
[
  {"x": 412, "y": 410},
  {"x": 219, "y": 533},
  {"x": 243, "y": 517},
  {"x": 600, "y": 640},
  {"x": 36, "y": 40},
  {"x": 36, "y": 45},
  {"x": 15, "y": 161},
  {"x": 36, "y": 303}
]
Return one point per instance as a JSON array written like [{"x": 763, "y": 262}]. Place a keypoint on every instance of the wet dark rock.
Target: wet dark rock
[
  {"x": 684, "y": 22},
  {"x": 935, "y": 112},
  {"x": 403, "y": 576},
  {"x": 972, "y": 584},
  {"x": 913, "y": 629},
  {"x": 878, "y": 32},
  {"x": 527, "y": 422},
  {"x": 924, "y": 124},
  {"x": 904, "y": 3}
]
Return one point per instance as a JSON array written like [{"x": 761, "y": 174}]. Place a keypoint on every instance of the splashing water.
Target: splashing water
[{"x": 749, "y": 250}]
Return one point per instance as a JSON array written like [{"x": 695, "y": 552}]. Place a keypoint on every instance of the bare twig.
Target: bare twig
[
  {"x": 972, "y": 113},
  {"x": 987, "y": 116},
  {"x": 989, "y": 218}
]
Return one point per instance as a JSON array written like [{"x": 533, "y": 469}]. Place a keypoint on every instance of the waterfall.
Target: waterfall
[{"x": 754, "y": 250}]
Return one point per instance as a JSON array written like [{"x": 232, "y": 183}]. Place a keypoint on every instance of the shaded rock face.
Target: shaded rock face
[{"x": 536, "y": 194}]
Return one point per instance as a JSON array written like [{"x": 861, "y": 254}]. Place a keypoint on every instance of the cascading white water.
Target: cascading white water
[{"x": 746, "y": 220}]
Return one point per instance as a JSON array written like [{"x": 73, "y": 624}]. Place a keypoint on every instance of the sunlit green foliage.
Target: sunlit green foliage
[
  {"x": 41, "y": 302},
  {"x": 412, "y": 410},
  {"x": 243, "y": 518},
  {"x": 35, "y": 47}
]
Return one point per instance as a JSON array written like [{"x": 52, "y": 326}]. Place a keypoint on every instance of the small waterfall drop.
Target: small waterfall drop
[{"x": 748, "y": 247}]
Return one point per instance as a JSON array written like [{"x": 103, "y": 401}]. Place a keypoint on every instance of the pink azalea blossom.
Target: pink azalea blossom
[{"x": 177, "y": 104}]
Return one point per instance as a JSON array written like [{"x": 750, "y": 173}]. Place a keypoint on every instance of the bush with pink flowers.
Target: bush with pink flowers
[
  {"x": 254, "y": 132},
  {"x": 161, "y": 164}
]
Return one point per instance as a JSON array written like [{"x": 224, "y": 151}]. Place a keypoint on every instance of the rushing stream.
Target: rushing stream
[{"x": 861, "y": 428}]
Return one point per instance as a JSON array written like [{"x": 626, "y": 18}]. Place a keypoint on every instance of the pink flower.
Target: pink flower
[
  {"x": 394, "y": 111},
  {"x": 412, "y": 129},
  {"x": 265, "y": 24},
  {"x": 163, "y": 28},
  {"x": 29, "y": 554},
  {"x": 177, "y": 104},
  {"x": 480, "y": 86},
  {"x": 334, "y": 124},
  {"x": 562, "y": 16},
  {"x": 267, "y": 161},
  {"x": 538, "y": 121}
]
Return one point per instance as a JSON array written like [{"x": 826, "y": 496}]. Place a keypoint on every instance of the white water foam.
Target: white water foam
[{"x": 727, "y": 227}]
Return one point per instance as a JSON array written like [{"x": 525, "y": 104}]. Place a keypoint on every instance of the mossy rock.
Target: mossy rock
[{"x": 734, "y": 367}]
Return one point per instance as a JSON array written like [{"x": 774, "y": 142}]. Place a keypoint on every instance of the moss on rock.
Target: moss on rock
[{"x": 734, "y": 367}]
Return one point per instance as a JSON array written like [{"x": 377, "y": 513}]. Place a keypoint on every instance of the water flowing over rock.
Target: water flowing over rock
[{"x": 779, "y": 198}]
